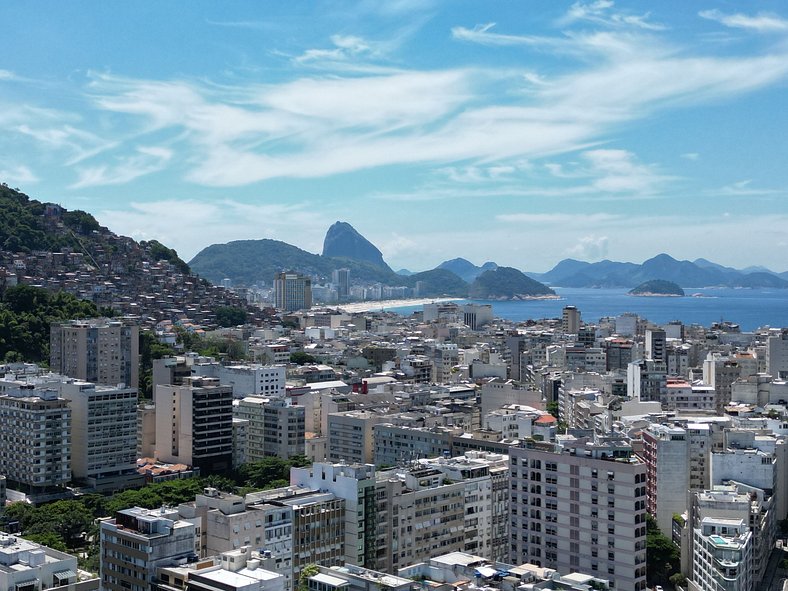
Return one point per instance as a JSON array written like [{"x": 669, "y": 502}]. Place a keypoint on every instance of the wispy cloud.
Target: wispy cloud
[
  {"x": 146, "y": 160},
  {"x": 691, "y": 156},
  {"x": 228, "y": 219},
  {"x": 17, "y": 175},
  {"x": 601, "y": 12},
  {"x": 761, "y": 22},
  {"x": 7, "y": 75},
  {"x": 745, "y": 189},
  {"x": 484, "y": 35}
]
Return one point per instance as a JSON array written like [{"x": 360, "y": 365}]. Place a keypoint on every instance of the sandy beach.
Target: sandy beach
[{"x": 370, "y": 306}]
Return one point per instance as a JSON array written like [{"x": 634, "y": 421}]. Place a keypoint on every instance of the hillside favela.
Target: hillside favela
[{"x": 397, "y": 296}]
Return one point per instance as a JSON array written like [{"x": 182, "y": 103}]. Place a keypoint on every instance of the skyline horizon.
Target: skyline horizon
[{"x": 585, "y": 129}]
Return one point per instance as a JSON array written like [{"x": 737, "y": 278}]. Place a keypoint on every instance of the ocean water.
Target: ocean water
[{"x": 749, "y": 308}]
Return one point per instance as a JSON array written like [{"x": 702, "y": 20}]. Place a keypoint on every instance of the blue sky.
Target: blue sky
[{"x": 520, "y": 132}]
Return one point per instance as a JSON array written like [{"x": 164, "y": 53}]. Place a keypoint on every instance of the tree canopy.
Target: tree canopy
[{"x": 26, "y": 313}]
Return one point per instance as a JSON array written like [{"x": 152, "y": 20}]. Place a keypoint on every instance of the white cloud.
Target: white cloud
[
  {"x": 345, "y": 47},
  {"x": 598, "y": 12},
  {"x": 325, "y": 125},
  {"x": 563, "y": 219},
  {"x": 146, "y": 160},
  {"x": 17, "y": 175},
  {"x": 7, "y": 75},
  {"x": 691, "y": 156},
  {"x": 182, "y": 224},
  {"x": 745, "y": 189},
  {"x": 762, "y": 22},
  {"x": 591, "y": 248}
]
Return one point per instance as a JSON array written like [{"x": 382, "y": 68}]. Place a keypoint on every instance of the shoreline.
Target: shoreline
[{"x": 377, "y": 305}]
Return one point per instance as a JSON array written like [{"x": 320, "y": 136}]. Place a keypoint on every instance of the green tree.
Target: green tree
[
  {"x": 301, "y": 358},
  {"x": 230, "y": 316},
  {"x": 309, "y": 570},
  {"x": 663, "y": 558}
]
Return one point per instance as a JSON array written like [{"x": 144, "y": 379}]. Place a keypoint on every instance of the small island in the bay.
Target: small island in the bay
[{"x": 657, "y": 288}]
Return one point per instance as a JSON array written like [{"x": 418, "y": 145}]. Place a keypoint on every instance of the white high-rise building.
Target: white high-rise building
[
  {"x": 103, "y": 435},
  {"x": 35, "y": 438},
  {"x": 580, "y": 507}
]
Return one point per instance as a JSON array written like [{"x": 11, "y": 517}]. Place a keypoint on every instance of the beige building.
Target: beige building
[
  {"x": 194, "y": 424},
  {"x": 103, "y": 435},
  {"x": 100, "y": 350},
  {"x": 350, "y": 436},
  {"x": 136, "y": 542},
  {"x": 275, "y": 427}
]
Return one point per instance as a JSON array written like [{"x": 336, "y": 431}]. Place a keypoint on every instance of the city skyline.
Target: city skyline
[{"x": 523, "y": 134}]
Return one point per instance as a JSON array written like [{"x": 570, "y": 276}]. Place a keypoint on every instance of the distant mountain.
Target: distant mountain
[
  {"x": 506, "y": 283},
  {"x": 700, "y": 273},
  {"x": 246, "y": 262},
  {"x": 404, "y": 272},
  {"x": 439, "y": 282},
  {"x": 657, "y": 287},
  {"x": 465, "y": 269},
  {"x": 563, "y": 269},
  {"x": 343, "y": 241}
]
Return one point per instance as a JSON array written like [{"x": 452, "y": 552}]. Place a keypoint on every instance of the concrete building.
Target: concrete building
[
  {"x": 103, "y": 435},
  {"x": 275, "y": 427},
  {"x": 497, "y": 393},
  {"x": 350, "y": 436},
  {"x": 236, "y": 570},
  {"x": 35, "y": 439},
  {"x": 570, "y": 320},
  {"x": 354, "y": 578},
  {"x": 580, "y": 506},
  {"x": 777, "y": 355},
  {"x": 486, "y": 480},
  {"x": 731, "y": 534},
  {"x": 419, "y": 514},
  {"x": 656, "y": 344},
  {"x": 356, "y": 484},
  {"x": 194, "y": 424},
  {"x": 100, "y": 350},
  {"x": 136, "y": 542},
  {"x": 476, "y": 316},
  {"x": 341, "y": 280},
  {"x": 677, "y": 459},
  {"x": 292, "y": 292},
  {"x": 27, "y": 566},
  {"x": 253, "y": 380},
  {"x": 683, "y": 396},
  {"x": 302, "y": 526}
]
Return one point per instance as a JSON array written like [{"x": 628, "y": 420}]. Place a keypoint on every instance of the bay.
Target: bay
[{"x": 749, "y": 308}]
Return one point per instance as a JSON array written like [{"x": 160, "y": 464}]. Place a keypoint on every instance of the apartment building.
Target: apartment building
[
  {"x": 103, "y": 435},
  {"x": 194, "y": 424},
  {"x": 100, "y": 350},
  {"x": 35, "y": 439},
  {"x": 350, "y": 436},
  {"x": 236, "y": 570},
  {"x": 486, "y": 479},
  {"x": 292, "y": 292},
  {"x": 275, "y": 427},
  {"x": 677, "y": 459},
  {"x": 730, "y": 535},
  {"x": 136, "y": 542},
  {"x": 420, "y": 513},
  {"x": 580, "y": 505},
  {"x": 356, "y": 484},
  {"x": 27, "y": 566}
]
